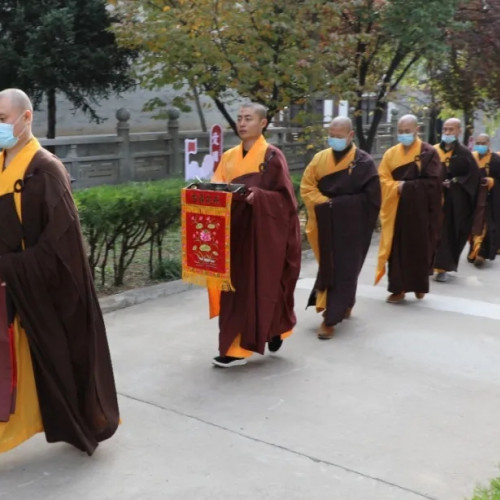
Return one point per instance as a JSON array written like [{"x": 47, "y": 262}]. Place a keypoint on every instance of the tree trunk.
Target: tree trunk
[
  {"x": 380, "y": 108},
  {"x": 468, "y": 125},
  {"x": 51, "y": 118},
  {"x": 358, "y": 120},
  {"x": 51, "y": 112},
  {"x": 433, "y": 137},
  {"x": 222, "y": 108},
  {"x": 199, "y": 109}
]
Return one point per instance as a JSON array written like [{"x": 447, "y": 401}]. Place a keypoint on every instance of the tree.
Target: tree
[
  {"x": 271, "y": 52},
  {"x": 391, "y": 37},
  {"x": 63, "y": 46},
  {"x": 468, "y": 78}
]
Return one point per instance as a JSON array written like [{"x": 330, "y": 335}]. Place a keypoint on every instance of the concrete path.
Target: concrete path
[{"x": 403, "y": 404}]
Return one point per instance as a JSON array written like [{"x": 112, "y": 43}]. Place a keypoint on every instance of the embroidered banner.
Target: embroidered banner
[{"x": 206, "y": 236}]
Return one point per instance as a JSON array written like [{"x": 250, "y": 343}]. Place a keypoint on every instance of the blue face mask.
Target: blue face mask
[
  {"x": 482, "y": 149},
  {"x": 337, "y": 144},
  {"x": 7, "y": 138},
  {"x": 406, "y": 139},
  {"x": 448, "y": 139}
]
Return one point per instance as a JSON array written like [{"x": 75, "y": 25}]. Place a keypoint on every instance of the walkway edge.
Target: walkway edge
[
  {"x": 136, "y": 296},
  {"x": 139, "y": 295}
]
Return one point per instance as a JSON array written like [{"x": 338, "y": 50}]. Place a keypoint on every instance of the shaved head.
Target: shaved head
[
  {"x": 341, "y": 133},
  {"x": 16, "y": 110},
  {"x": 18, "y": 99},
  {"x": 408, "y": 120},
  {"x": 260, "y": 109},
  {"x": 408, "y": 124},
  {"x": 454, "y": 122},
  {"x": 342, "y": 122},
  {"x": 483, "y": 139},
  {"x": 452, "y": 127}
]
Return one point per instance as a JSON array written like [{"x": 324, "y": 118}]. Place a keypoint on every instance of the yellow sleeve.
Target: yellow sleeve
[
  {"x": 309, "y": 191},
  {"x": 219, "y": 174},
  {"x": 312, "y": 196},
  {"x": 388, "y": 185},
  {"x": 388, "y": 210}
]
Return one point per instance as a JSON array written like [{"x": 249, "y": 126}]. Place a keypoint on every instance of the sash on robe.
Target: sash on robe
[{"x": 11, "y": 181}]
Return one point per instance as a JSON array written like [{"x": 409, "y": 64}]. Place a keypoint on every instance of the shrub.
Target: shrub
[
  {"x": 118, "y": 220},
  {"x": 168, "y": 269},
  {"x": 488, "y": 493},
  {"x": 296, "y": 178}
]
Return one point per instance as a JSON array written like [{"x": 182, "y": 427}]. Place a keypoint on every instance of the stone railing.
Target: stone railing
[{"x": 113, "y": 159}]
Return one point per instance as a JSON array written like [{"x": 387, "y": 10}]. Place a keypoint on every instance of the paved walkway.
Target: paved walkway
[{"x": 402, "y": 404}]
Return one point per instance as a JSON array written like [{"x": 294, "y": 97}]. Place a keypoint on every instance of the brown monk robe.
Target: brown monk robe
[
  {"x": 341, "y": 191},
  {"x": 265, "y": 247},
  {"x": 486, "y": 225},
  {"x": 460, "y": 191},
  {"x": 411, "y": 176},
  {"x": 61, "y": 362}
]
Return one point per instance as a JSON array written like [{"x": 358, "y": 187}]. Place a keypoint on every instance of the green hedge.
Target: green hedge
[
  {"x": 119, "y": 220},
  {"x": 491, "y": 492},
  {"x": 296, "y": 178}
]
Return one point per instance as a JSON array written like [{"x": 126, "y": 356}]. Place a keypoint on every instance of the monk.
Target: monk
[
  {"x": 460, "y": 191},
  {"x": 56, "y": 373},
  {"x": 265, "y": 246},
  {"x": 486, "y": 227},
  {"x": 341, "y": 191},
  {"x": 411, "y": 176}
]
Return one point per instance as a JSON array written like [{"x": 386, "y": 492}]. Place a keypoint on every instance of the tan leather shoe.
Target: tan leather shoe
[
  {"x": 325, "y": 332},
  {"x": 419, "y": 295},
  {"x": 395, "y": 298},
  {"x": 479, "y": 261}
]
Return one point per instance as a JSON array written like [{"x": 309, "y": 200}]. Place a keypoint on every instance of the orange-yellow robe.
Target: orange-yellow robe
[
  {"x": 485, "y": 229},
  {"x": 342, "y": 197},
  {"x": 411, "y": 221},
  {"x": 459, "y": 204},
  {"x": 239, "y": 168},
  {"x": 50, "y": 288},
  {"x": 26, "y": 420}
]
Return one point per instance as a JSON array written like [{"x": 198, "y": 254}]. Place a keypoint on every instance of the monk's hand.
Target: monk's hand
[
  {"x": 3, "y": 283},
  {"x": 488, "y": 181},
  {"x": 447, "y": 183},
  {"x": 400, "y": 187},
  {"x": 250, "y": 197}
]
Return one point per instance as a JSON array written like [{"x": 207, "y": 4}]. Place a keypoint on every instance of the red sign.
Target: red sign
[{"x": 216, "y": 136}]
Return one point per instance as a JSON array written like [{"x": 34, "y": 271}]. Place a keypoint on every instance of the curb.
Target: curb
[
  {"x": 137, "y": 296},
  {"x": 140, "y": 295}
]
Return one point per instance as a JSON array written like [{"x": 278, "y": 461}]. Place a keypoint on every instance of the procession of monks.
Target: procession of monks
[
  {"x": 57, "y": 375},
  {"x": 431, "y": 201},
  {"x": 434, "y": 199}
]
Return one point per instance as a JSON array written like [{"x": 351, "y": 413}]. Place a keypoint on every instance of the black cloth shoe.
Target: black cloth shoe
[
  {"x": 228, "y": 361},
  {"x": 275, "y": 343}
]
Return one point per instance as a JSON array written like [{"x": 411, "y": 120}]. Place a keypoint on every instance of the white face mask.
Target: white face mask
[{"x": 7, "y": 138}]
